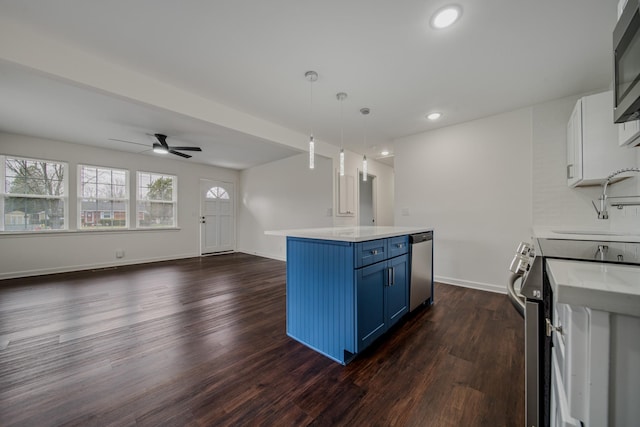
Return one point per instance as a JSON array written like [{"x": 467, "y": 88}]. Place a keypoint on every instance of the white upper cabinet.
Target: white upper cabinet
[
  {"x": 346, "y": 195},
  {"x": 593, "y": 151}
]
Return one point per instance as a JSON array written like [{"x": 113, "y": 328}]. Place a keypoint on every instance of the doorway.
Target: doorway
[
  {"x": 217, "y": 217},
  {"x": 366, "y": 205}
]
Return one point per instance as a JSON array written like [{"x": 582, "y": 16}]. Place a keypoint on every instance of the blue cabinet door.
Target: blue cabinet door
[
  {"x": 397, "y": 291},
  {"x": 370, "y": 283}
]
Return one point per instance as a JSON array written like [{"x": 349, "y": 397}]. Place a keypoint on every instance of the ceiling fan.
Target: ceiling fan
[{"x": 163, "y": 148}]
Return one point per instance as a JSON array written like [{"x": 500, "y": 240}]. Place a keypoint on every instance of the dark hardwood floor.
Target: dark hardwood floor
[{"x": 202, "y": 342}]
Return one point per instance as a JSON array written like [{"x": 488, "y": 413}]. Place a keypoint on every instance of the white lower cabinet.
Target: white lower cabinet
[
  {"x": 559, "y": 405},
  {"x": 595, "y": 371}
]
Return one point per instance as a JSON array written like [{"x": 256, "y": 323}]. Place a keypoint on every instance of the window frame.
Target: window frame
[
  {"x": 218, "y": 196},
  {"x": 80, "y": 198},
  {"x": 64, "y": 198},
  {"x": 173, "y": 202}
]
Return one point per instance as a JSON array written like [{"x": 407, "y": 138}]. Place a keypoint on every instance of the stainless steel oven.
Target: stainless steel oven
[{"x": 534, "y": 301}]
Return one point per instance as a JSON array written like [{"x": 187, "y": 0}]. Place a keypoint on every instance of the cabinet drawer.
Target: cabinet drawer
[
  {"x": 398, "y": 246},
  {"x": 371, "y": 252}
]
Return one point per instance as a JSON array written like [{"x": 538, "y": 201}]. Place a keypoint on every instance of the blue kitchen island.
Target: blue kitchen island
[{"x": 346, "y": 286}]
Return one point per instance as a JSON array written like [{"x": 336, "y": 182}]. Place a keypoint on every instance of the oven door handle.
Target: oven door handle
[{"x": 516, "y": 299}]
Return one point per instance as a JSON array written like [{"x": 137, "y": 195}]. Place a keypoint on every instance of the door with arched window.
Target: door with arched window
[{"x": 217, "y": 217}]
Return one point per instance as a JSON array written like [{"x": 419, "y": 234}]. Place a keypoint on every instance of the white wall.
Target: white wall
[
  {"x": 286, "y": 194},
  {"x": 472, "y": 183},
  {"x": 383, "y": 191},
  {"x": 279, "y": 195},
  {"x": 485, "y": 184},
  {"x": 554, "y": 203},
  {"x": 31, "y": 254}
]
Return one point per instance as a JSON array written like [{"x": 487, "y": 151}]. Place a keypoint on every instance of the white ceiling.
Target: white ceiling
[{"x": 251, "y": 56}]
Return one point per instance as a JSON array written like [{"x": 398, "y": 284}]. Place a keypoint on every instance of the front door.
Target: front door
[{"x": 217, "y": 217}]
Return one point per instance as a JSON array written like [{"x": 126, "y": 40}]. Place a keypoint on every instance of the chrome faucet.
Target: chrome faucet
[{"x": 602, "y": 212}]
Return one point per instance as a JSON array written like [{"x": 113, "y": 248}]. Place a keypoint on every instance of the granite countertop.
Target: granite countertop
[
  {"x": 608, "y": 287},
  {"x": 349, "y": 234}
]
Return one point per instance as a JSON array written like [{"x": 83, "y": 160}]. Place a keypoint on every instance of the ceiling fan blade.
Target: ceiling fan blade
[
  {"x": 128, "y": 142},
  {"x": 177, "y": 153},
  {"x": 186, "y": 148},
  {"x": 162, "y": 139}
]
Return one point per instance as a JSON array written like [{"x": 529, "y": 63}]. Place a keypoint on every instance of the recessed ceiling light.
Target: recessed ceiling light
[
  {"x": 434, "y": 116},
  {"x": 446, "y": 16},
  {"x": 385, "y": 152}
]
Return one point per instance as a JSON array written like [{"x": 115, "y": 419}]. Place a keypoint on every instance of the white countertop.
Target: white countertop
[
  {"x": 600, "y": 286},
  {"x": 573, "y": 233},
  {"x": 349, "y": 234}
]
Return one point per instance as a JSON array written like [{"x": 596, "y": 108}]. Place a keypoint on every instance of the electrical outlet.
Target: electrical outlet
[{"x": 119, "y": 253}]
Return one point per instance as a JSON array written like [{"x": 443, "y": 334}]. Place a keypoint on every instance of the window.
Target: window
[
  {"x": 217, "y": 193},
  {"x": 103, "y": 198},
  {"x": 34, "y": 194},
  {"x": 156, "y": 200}
]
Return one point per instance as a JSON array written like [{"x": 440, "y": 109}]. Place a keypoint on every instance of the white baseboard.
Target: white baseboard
[
  {"x": 474, "y": 285},
  {"x": 263, "y": 255},
  {"x": 88, "y": 267}
]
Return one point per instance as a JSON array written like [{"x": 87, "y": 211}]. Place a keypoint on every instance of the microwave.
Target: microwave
[{"x": 626, "y": 64}]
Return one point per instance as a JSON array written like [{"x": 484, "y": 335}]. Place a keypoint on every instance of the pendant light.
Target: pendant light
[
  {"x": 311, "y": 76},
  {"x": 341, "y": 96},
  {"x": 364, "y": 111}
]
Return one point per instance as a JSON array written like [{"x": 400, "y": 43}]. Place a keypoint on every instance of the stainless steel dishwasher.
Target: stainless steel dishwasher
[{"x": 421, "y": 284}]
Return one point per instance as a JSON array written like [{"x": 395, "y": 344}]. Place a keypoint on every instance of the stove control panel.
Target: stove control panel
[{"x": 522, "y": 259}]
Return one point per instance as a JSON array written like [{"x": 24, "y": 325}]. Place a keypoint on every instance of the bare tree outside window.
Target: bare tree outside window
[{"x": 34, "y": 195}]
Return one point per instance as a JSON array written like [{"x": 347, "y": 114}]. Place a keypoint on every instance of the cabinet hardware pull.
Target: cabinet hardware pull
[
  {"x": 551, "y": 328},
  {"x": 374, "y": 252},
  {"x": 569, "y": 175},
  {"x": 391, "y": 276}
]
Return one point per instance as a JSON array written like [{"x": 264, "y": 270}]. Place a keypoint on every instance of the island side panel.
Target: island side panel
[{"x": 321, "y": 295}]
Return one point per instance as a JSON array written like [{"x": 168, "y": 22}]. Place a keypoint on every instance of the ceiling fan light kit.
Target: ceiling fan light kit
[{"x": 157, "y": 148}]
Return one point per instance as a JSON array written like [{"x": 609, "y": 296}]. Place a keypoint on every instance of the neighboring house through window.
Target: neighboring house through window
[
  {"x": 103, "y": 198},
  {"x": 157, "y": 198},
  {"x": 34, "y": 194}
]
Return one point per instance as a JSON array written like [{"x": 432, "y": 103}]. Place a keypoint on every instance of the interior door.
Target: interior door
[
  {"x": 366, "y": 210},
  {"x": 217, "y": 217}
]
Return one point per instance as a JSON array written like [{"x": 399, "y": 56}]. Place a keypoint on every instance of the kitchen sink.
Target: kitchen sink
[{"x": 596, "y": 232}]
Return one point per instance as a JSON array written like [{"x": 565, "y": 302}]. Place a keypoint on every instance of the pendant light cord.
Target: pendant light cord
[{"x": 311, "y": 107}]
